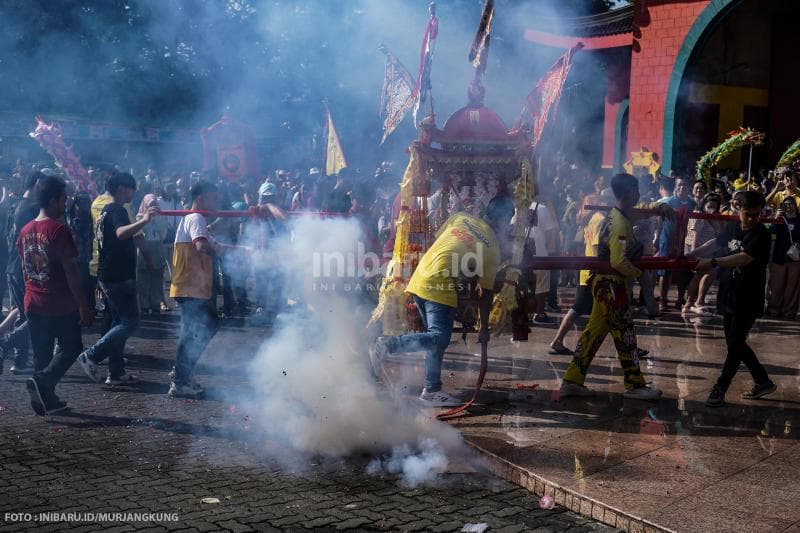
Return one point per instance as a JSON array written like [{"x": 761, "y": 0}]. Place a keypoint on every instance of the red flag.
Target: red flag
[
  {"x": 547, "y": 93},
  {"x": 397, "y": 94},
  {"x": 423, "y": 86}
]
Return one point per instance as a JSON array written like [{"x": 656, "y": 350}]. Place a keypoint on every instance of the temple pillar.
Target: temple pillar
[{"x": 618, "y": 81}]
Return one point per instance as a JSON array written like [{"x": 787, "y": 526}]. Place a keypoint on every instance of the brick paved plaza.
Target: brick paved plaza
[{"x": 133, "y": 450}]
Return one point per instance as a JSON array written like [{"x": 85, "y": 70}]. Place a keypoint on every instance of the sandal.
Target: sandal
[{"x": 563, "y": 350}]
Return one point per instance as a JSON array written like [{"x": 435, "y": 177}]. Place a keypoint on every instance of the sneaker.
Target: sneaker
[
  {"x": 190, "y": 390},
  {"x": 642, "y": 393},
  {"x": 89, "y": 368},
  {"x": 378, "y": 351},
  {"x": 439, "y": 399},
  {"x": 19, "y": 370},
  {"x": 124, "y": 379},
  {"x": 760, "y": 390},
  {"x": 573, "y": 389},
  {"x": 55, "y": 405},
  {"x": 191, "y": 379},
  {"x": 641, "y": 353},
  {"x": 541, "y": 318},
  {"x": 560, "y": 349},
  {"x": 716, "y": 398},
  {"x": 37, "y": 403}
]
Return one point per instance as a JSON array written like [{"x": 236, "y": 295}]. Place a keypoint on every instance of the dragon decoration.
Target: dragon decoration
[
  {"x": 790, "y": 156},
  {"x": 49, "y": 137},
  {"x": 736, "y": 139}
]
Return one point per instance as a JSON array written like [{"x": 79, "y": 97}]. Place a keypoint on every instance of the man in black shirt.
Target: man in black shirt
[
  {"x": 116, "y": 274},
  {"x": 747, "y": 244},
  {"x": 19, "y": 339}
]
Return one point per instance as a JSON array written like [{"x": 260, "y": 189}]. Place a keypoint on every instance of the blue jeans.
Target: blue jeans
[
  {"x": 438, "y": 322},
  {"x": 123, "y": 308},
  {"x": 199, "y": 323}
]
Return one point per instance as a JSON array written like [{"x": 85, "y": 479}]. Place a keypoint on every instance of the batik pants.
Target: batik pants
[{"x": 610, "y": 314}]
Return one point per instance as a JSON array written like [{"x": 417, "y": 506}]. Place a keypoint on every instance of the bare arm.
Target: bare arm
[
  {"x": 729, "y": 261},
  {"x": 708, "y": 247},
  {"x": 126, "y": 232},
  {"x": 735, "y": 260},
  {"x": 204, "y": 247},
  {"x": 777, "y": 188}
]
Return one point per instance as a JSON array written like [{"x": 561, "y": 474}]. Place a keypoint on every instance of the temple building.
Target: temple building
[{"x": 683, "y": 73}]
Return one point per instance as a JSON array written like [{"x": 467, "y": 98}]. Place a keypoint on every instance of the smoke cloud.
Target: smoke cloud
[
  {"x": 270, "y": 63},
  {"x": 312, "y": 388}
]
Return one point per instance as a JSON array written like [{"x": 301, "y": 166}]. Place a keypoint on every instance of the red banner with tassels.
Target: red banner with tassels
[
  {"x": 229, "y": 148},
  {"x": 545, "y": 96}
]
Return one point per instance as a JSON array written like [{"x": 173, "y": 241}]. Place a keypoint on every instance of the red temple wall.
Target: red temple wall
[{"x": 664, "y": 26}]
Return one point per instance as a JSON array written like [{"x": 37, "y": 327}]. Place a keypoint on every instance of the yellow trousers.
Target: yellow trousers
[{"x": 610, "y": 314}]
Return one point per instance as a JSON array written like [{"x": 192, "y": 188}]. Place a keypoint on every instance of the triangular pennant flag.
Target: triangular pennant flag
[{"x": 334, "y": 156}]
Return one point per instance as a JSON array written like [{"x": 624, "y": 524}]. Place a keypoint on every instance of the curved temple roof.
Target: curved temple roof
[{"x": 606, "y": 30}]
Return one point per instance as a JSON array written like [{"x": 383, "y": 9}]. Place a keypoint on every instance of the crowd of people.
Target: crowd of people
[
  {"x": 642, "y": 220},
  {"x": 71, "y": 258},
  {"x": 575, "y": 232}
]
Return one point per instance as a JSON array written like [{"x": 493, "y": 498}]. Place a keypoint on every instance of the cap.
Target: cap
[
  {"x": 607, "y": 195},
  {"x": 267, "y": 189}
]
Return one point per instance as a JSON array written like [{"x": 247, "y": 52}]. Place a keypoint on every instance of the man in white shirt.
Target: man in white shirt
[{"x": 544, "y": 234}]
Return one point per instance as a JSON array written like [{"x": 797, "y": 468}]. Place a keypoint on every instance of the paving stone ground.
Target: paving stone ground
[{"x": 133, "y": 450}]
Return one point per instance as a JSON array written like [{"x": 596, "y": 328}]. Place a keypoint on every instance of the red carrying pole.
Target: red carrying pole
[
  {"x": 604, "y": 267},
  {"x": 252, "y": 212},
  {"x": 692, "y": 214}
]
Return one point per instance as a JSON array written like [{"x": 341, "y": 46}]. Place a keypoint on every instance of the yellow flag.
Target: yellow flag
[{"x": 334, "y": 156}]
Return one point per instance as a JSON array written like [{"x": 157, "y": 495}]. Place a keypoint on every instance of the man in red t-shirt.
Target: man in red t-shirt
[{"x": 54, "y": 299}]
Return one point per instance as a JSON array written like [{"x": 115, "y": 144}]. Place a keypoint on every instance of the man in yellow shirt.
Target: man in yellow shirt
[
  {"x": 191, "y": 287},
  {"x": 789, "y": 185},
  {"x": 610, "y": 303},
  {"x": 466, "y": 249},
  {"x": 741, "y": 183}
]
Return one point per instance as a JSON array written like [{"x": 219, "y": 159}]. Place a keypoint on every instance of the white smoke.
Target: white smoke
[
  {"x": 313, "y": 389},
  {"x": 415, "y": 467}
]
